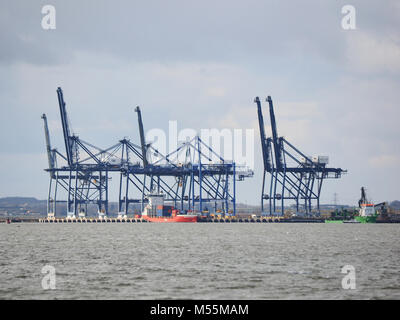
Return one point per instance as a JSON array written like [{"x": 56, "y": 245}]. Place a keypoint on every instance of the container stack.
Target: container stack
[{"x": 164, "y": 211}]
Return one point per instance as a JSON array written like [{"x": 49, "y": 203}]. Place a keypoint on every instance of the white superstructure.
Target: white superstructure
[
  {"x": 155, "y": 200},
  {"x": 367, "y": 209}
]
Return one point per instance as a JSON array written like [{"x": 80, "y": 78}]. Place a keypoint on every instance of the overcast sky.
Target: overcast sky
[{"x": 336, "y": 92}]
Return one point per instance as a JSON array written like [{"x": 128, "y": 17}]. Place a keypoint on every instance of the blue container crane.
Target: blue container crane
[{"x": 294, "y": 176}]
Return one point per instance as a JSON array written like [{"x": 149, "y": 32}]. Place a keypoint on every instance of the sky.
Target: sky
[{"x": 201, "y": 63}]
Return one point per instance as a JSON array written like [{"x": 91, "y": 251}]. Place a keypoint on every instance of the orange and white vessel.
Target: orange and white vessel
[
  {"x": 156, "y": 211},
  {"x": 177, "y": 218}
]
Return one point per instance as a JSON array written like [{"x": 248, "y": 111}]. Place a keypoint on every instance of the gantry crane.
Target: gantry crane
[
  {"x": 188, "y": 185},
  {"x": 293, "y": 175}
]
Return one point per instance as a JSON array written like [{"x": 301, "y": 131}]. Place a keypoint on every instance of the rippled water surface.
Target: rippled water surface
[{"x": 199, "y": 261}]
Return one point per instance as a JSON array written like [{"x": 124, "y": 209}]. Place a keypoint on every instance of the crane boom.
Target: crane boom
[
  {"x": 275, "y": 139},
  {"x": 48, "y": 144},
  {"x": 142, "y": 138},
  {"x": 265, "y": 145},
  {"x": 363, "y": 197},
  {"x": 65, "y": 126}
]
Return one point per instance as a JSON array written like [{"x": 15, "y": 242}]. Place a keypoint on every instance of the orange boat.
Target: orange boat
[
  {"x": 155, "y": 211},
  {"x": 177, "y": 218}
]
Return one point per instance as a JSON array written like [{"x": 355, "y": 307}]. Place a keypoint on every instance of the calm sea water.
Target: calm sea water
[{"x": 199, "y": 261}]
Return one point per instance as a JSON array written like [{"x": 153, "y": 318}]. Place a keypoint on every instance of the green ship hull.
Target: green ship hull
[
  {"x": 358, "y": 219},
  {"x": 367, "y": 219}
]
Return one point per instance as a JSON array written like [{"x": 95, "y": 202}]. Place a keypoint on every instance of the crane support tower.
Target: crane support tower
[{"x": 293, "y": 175}]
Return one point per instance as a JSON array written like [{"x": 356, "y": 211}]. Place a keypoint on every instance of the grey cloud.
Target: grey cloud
[{"x": 172, "y": 30}]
